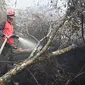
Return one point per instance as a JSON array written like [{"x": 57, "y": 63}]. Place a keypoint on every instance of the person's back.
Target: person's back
[{"x": 9, "y": 30}]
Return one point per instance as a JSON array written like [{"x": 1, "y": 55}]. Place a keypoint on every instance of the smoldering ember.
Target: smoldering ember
[{"x": 42, "y": 44}]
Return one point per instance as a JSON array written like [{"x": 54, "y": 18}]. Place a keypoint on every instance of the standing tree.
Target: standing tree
[{"x": 2, "y": 10}]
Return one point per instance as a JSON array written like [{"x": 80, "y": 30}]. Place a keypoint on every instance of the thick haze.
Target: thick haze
[
  {"x": 22, "y": 4},
  {"x": 48, "y": 7}
]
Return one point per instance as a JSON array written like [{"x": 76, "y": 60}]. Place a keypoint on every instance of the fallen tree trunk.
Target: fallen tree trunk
[
  {"x": 5, "y": 78},
  {"x": 58, "y": 52}
]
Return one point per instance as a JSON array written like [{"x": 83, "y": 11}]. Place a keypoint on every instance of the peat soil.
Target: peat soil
[{"x": 65, "y": 69}]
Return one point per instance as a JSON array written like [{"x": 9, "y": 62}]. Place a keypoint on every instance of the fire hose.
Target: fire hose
[{"x": 1, "y": 49}]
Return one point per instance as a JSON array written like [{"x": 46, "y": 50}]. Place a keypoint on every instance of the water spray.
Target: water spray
[{"x": 27, "y": 44}]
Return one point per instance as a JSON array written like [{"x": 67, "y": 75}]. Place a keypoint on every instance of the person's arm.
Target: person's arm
[
  {"x": 1, "y": 33},
  {"x": 14, "y": 36},
  {"x": 1, "y": 29}
]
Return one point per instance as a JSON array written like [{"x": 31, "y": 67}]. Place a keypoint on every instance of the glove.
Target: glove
[{"x": 14, "y": 36}]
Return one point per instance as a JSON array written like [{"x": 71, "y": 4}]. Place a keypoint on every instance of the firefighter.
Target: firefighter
[{"x": 8, "y": 32}]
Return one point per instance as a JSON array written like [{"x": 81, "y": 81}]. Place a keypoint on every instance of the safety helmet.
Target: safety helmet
[{"x": 10, "y": 12}]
